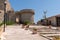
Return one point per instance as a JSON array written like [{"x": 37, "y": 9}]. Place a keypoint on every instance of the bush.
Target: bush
[
  {"x": 27, "y": 22},
  {"x": 7, "y": 23},
  {"x": 10, "y": 23},
  {"x": 1, "y": 24}
]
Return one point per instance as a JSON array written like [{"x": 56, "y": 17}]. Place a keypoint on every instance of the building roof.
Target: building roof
[
  {"x": 54, "y": 16},
  {"x": 58, "y": 15},
  {"x": 27, "y": 11}
]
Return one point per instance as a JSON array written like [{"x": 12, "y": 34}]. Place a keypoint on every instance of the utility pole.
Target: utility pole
[{"x": 4, "y": 15}]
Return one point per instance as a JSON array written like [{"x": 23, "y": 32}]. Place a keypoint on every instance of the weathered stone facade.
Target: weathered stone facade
[
  {"x": 1, "y": 5},
  {"x": 10, "y": 15},
  {"x": 53, "y": 20},
  {"x": 25, "y": 14},
  {"x": 1, "y": 10},
  {"x": 8, "y": 6},
  {"x": 20, "y": 16},
  {"x": 9, "y": 11},
  {"x": 1, "y": 16}
]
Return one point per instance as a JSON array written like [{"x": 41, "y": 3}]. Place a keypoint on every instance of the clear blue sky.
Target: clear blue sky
[{"x": 52, "y": 7}]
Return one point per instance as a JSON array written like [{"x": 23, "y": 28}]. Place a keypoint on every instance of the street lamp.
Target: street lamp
[
  {"x": 45, "y": 17},
  {"x": 4, "y": 15},
  {"x": 45, "y": 14}
]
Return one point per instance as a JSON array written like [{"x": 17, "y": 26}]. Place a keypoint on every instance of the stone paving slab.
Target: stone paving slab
[{"x": 17, "y": 33}]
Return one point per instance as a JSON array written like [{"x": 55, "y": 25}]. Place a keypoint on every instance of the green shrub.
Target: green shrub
[
  {"x": 7, "y": 23},
  {"x": 10, "y": 23},
  {"x": 27, "y": 22},
  {"x": 1, "y": 24}
]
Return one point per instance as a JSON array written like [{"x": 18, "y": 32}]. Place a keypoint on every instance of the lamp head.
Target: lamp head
[
  {"x": 45, "y": 11},
  {"x": 5, "y": 2}
]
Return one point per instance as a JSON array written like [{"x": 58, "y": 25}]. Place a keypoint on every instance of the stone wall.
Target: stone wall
[
  {"x": 9, "y": 11},
  {"x": 11, "y": 16},
  {"x": 1, "y": 16},
  {"x": 53, "y": 21},
  {"x": 1, "y": 4},
  {"x": 27, "y": 16},
  {"x": 1, "y": 10}
]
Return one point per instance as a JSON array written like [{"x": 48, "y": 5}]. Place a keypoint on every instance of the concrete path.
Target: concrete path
[{"x": 17, "y": 33}]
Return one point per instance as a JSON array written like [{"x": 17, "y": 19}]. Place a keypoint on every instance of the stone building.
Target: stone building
[
  {"x": 53, "y": 20},
  {"x": 10, "y": 15},
  {"x": 20, "y": 16},
  {"x": 1, "y": 10},
  {"x": 24, "y": 15},
  {"x": 9, "y": 11}
]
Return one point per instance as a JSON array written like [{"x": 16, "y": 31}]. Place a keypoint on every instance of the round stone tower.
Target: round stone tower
[{"x": 25, "y": 15}]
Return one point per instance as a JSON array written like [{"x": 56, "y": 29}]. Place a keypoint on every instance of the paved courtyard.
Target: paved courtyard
[{"x": 17, "y": 33}]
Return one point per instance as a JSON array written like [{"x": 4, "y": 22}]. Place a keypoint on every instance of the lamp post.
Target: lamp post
[
  {"x": 45, "y": 17},
  {"x": 4, "y": 15},
  {"x": 45, "y": 14}
]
